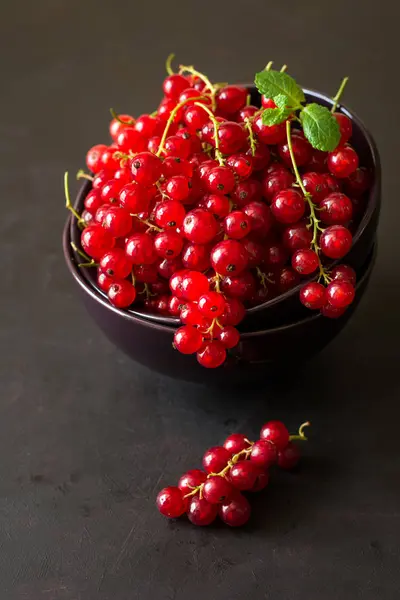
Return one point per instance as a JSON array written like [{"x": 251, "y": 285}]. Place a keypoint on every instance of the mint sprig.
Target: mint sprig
[{"x": 319, "y": 125}]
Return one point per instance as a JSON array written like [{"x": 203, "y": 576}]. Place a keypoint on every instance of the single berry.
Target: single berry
[
  {"x": 357, "y": 183},
  {"x": 148, "y": 126},
  {"x": 244, "y": 475},
  {"x": 168, "y": 244},
  {"x": 339, "y": 294},
  {"x": 110, "y": 191},
  {"x": 212, "y": 355},
  {"x": 220, "y": 180},
  {"x": 242, "y": 286},
  {"x": 234, "y": 312},
  {"x": 176, "y": 145},
  {"x": 174, "y": 85},
  {"x": 169, "y": 214},
  {"x": 130, "y": 140},
  {"x": 196, "y": 257},
  {"x": 211, "y": 305},
  {"x": 140, "y": 249},
  {"x": 116, "y": 126},
  {"x": 289, "y": 457},
  {"x": 287, "y": 279},
  {"x": 336, "y": 241},
  {"x": 217, "y": 204},
  {"x": 275, "y": 432},
  {"x": 297, "y": 236},
  {"x": 228, "y": 257},
  {"x": 273, "y": 134},
  {"x": 331, "y": 312},
  {"x": 188, "y": 340},
  {"x": 312, "y": 295},
  {"x": 217, "y": 490},
  {"x": 236, "y": 442},
  {"x": 336, "y": 209},
  {"x": 344, "y": 273},
  {"x": 345, "y": 126},
  {"x": 241, "y": 165},
  {"x": 237, "y": 224},
  {"x": 116, "y": 264},
  {"x": 193, "y": 285},
  {"x": 175, "y": 283},
  {"x": 117, "y": 221},
  {"x": 246, "y": 192},
  {"x": 167, "y": 267},
  {"x": 276, "y": 182},
  {"x": 134, "y": 197},
  {"x": 199, "y": 226},
  {"x": 263, "y": 453},
  {"x": 121, "y": 293},
  {"x": 190, "y": 480},
  {"x": 302, "y": 151},
  {"x": 200, "y": 512},
  {"x": 260, "y": 158},
  {"x": 261, "y": 219},
  {"x": 229, "y": 336},
  {"x": 305, "y": 261},
  {"x": 104, "y": 281},
  {"x": 343, "y": 161},
  {"x": 93, "y": 158},
  {"x": 96, "y": 241},
  {"x": 146, "y": 168},
  {"x": 288, "y": 206},
  {"x": 316, "y": 185},
  {"x": 109, "y": 160},
  {"x": 170, "y": 502},
  {"x": 231, "y": 99},
  {"x": 215, "y": 459},
  {"x": 237, "y": 512},
  {"x": 255, "y": 252}
]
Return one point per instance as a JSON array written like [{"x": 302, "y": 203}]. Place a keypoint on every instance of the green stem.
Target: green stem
[
  {"x": 116, "y": 117},
  {"x": 204, "y": 79},
  {"x": 252, "y": 141},
  {"x": 218, "y": 154},
  {"x": 283, "y": 69},
  {"x": 300, "y": 435},
  {"x": 82, "y": 175},
  {"x": 68, "y": 202},
  {"x": 169, "y": 123},
  {"x": 339, "y": 94},
  {"x": 168, "y": 62},
  {"x": 269, "y": 65},
  {"x": 89, "y": 261}
]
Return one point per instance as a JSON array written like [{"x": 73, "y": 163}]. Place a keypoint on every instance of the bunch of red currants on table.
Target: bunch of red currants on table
[
  {"x": 238, "y": 466},
  {"x": 211, "y": 205}
]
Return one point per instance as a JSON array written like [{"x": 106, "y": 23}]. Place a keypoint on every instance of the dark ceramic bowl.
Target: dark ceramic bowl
[
  {"x": 257, "y": 357},
  {"x": 286, "y": 308}
]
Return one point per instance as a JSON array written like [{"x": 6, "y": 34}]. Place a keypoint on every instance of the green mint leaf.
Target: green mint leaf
[
  {"x": 274, "y": 83},
  {"x": 281, "y": 100},
  {"x": 274, "y": 116},
  {"x": 320, "y": 127}
]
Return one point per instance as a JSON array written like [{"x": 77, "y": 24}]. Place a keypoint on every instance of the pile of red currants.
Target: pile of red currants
[
  {"x": 237, "y": 466},
  {"x": 200, "y": 210}
]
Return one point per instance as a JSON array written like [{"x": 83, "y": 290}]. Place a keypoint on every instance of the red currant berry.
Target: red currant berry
[
  {"x": 165, "y": 108},
  {"x": 211, "y": 304},
  {"x": 215, "y": 459},
  {"x": 275, "y": 183},
  {"x": 297, "y": 236},
  {"x": 237, "y": 225},
  {"x": 244, "y": 475},
  {"x": 331, "y": 312},
  {"x": 234, "y": 312},
  {"x": 302, "y": 151},
  {"x": 229, "y": 336},
  {"x": 110, "y": 191},
  {"x": 275, "y": 255},
  {"x": 343, "y": 161},
  {"x": 237, "y": 512},
  {"x": 173, "y": 165},
  {"x": 275, "y": 432},
  {"x": 117, "y": 221},
  {"x": 288, "y": 206},
  {"x": 175, "y": 283},
  {"x": 273, "y": 134},
  {"x": 93, "y": 158},
  {"x": 148, "y": 126},
  {"x": 332, "y": 183},
  {"x": 153, "y": 144},
  {"x": 205, "y": 168},
  {"x": 174, "y": 85},
  {"x": 188, "y": 339},
  {"x": 220, "y": 180},
  {"x": 317, "y": 162},
  {"x": 241, "y": 165},
  {"x": 108, "y": 160},
  {"x": 100, "y": 179},
  {"x": 255, "y": 252},
  {"x": 96, "y": 241},
  {"x": 246, "y": 192},
  {"x": 336, "y": 241},
  {"x": 345, "y": 126},
  {"x": 121, "y": 293},
  {"x": 231, "y": 99},
  {"x": 200, "y": 226},
  {"x": 177, "y": 146},
  {"x": 217, "y": 490},
  {"x": 130, "y": 140},
  {"x": 116, "y": 126},
  {"x": 315, "y": 185},
  {"x": 343, "y": 273},
  {"x": 193, "y": 285},
  {"x": 217, "y": 204},
  {"x": 123, "y": 175},
  {"x": 190, "y": 480},
  {"x": 170, "y": 502},
  {"x": 211, "y": 355},
  {"x": 357, "y": 183},
  {"x": 104, "y": 281},
  {"x": 336, "y": 209},
  {"x": 201, "y": 512},
  {"x": 289, "y": 457},
  {"x": 312, "y": 295},
  {"x": 263, "y": 453},
  {"x": 339, "y": 294},
  {"x": 169, "y": 214},
  {"x": 100, "y": 213},
  {"x": 93, "y": 201},
  {"x": 148, "y": 274},
  {"x": 261, "y": 481},
  {"x": 247, "y": 112},
  {"x": 261, "y": 220},
  {"x": 168, "y": 244},
  {"x": 166, "y": 268},
  {"x": 190, "y": 315},
  {"x": 260, "y": 158},
  {"x": 228, "y": 257},
  {"x": 192, "y": 93},
  {"x": 267, "y": 102},
  {"x": 287, "y": 279},
  {"x": 305, "y": 261},
  {"x": 242, "y": 286},
  {"x": 236, "y": 442},
  {"x": 135, "y": 198},
  {"x": 232, "y": 137},
  {"x": 178, "y": 188},
  {"x": 146, "y": 168},
  {"x": 175, "y": 306},
  {"x": 140, "y": 249},
  {"x": 196, "y": 257},
  {"x": 116, "y": 264}
]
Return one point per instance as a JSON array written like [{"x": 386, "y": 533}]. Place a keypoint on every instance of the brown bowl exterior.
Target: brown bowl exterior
[{"x": 286, "y": 308}]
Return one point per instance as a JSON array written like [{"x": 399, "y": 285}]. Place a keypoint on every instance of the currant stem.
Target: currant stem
[
  {"x": 168, "y": 62},
  {"x": 82, "y": 175},
  {"x": 248, "y": 99},
  {"x": 300, "y": 435},
  {"x": 218, "y": 154},
  {"x": 146, "y": 222},
  {"x": 116, "y": 117},
  {"x": 251, "y": 139},
  {"x": 168, "y": 124},
  {"x": 339, "y": 94},
  {"x": 82, "y": 254},
  {"x": 217, "y": 279},
  {"x": 283, "y": 69},
  {"x": 269, "y": 65},
  {"x": 68, "y": 202},
  {"x": 204, "y": 79}
]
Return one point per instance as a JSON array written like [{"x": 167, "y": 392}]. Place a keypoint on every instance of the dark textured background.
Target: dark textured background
[{"x": 86, "y": 437}]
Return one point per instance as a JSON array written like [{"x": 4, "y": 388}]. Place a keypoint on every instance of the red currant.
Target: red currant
[
  {"x": 263, "y": 453},
  {"x": 211, "y": 305},
  {"x": 117, "y": 221},
  {"x": 131, "y": 140},
  {"x": 217, "y": 204},
  {"x": 357, "y": 183},
  {"x": 193, "y": 285},
  {"x": 178, "y": 188},
  {"x": 104, "y": 281},
  {"x": 168, "y": 244},
  {"x": 215, "y": 459},
  {"x": 237, "y": 224},
  {"x": 275, "y": 183},
  {"x": 121, "y": 293},
  {"x": 201, "y": 512},
  {"x": 234, "y": 312},
  {"x": 302, "y": 151},
  {"x": 331, "y": 312},
  {"x": 336, "y": 209},
  {"x": 229, "y": 336},
  {"x": 174, "y": 85},
  {"x": 336, "y": 241},
  {"x": 228, "y": 257},
  {"x": 275, "y": 432},
  {"x": 297, "y": 236},
  {"x": 288, "y": 206},
  {"x": 190, "y": 480},
  {"x": 170, "y": 502},
  {"x": 343, "y": 273},
  {"x": 115, "y": 263},
  {"x": 261, "y": 219},
  {"x": 312, "y": 295},
  {"x": 273, "y": 134},
  {"x": 140, "y": 249},
  {"x": 305, "y": 261},
  {"x": 343, "y": 161},
  {"x": 340, "y": 294},
  {"x": 289, "y": 457},
  {"x": 196, "y": 257},
  {"x": 217, "y": 490},
  {"x": 231, "y": 99},
  {"x": 220, "y": 179},
  {"x": 212, "y": 355},
  {"x": 146, "y": 168},
  {"x": 236, "y": 442},
  {"x": 188, "y": 339},
  {"x": 242, "y": 286},
  {"x": 345, "y": 126},
  {"x": 169, "y": 214},
  {"x": 93, "y": 158},
  {"x": 134, "y": 197},
  {"x": 237, "y": 512},
  {"x": 116, "y": 126},
  {"x": 244, "y": 475},
  {"x": 200, "y": 226},
  {"x": 148, "y": 126},
  {"x": 287, "y": 279},
  {"x": 241, "y": 165},
  {"x": 96, "y": 241},
  {"x": 315, "y": 185}
]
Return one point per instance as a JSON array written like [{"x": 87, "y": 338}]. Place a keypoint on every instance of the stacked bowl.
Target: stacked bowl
[{"x": 277, "y": 334}]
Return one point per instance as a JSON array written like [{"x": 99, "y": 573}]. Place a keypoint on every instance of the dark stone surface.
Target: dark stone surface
[{"x": 87, "y": 437}]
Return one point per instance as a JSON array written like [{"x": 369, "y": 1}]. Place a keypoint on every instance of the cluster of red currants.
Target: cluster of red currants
[
  {"x": 198, "y": 212},
  {"x": 237, "y": 466}
]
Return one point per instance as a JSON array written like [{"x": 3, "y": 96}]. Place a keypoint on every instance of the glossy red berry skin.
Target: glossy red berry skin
[
  {"x": 199, "y": 226},
  {"x": 117, "y": 221},
  {"x": 357, "y": 183},
  {"x": 231, "y": 136},
  {"x": 297, "y": 236},
  {"x": 305, "y": 261},
  {"x": 100, "y": 179},
  {"x": 200, "y": 512},
  {"x": 333, "y": 184},
  {"x": 220, "y": 180},
  {"x": 275, "y": 183},
  {"x": 134, "y": 197},
  {"x": 336, "y": 209},
  {"x": 121, "y": 293},
  {"x": 131, "y": 140},
  {"x": 287, "y": 279},
  {"x": 170, "y": 502},
  {"x": 148, "y": 126},
  {"x": 169, "y": 214},
  {"x": 110, "y": 191},
  {"x": 228, "y": 258},
  {"x": 342, "y": 162},
  {"x": 190, "y": 480},
  {"x": 93, "y": 201},
  {"x": 261, "y": 219},
  {"x": 211, "y": 355},
  {"x": 178, "y": 188},
  {"x": 211, "y": 305},
  {"x": 167, "y": 267},
  {"x": 273, "y": 134},
  {"x": 261, "y": 481},
  {"x": 190, "y": 315},
  {"x": 96, "y": 241},
  {"x": 104, "y": 281},
  {"x": 331, "y": 312},
  {"x": 146, "y": 168},
  {"x": 242, "y": 286},
  {"x": 339, "y": 294},
  {"x": 93, "y": 158},
  {"x": 344, "y": 273},
  {"x": 188, "y": 339},
  {"x": 108, "y": 160},
  {"x": 241, "y": 165},
  {"x": 228, "y": 336},
  {"x": 234, "y": 312},
  {"x": 244, "y": 475},
  {"x": 217, "y": 204},
  {"x": 193, "y": 285},
  {"x": 261, "y": 157},
  {"x": 231, "y": 99},
  {"x": 313, "y": 295},
  {"x": 236, "y": 442},
  {"x": 217, "y": 490},
  {"x": 316, "y": 185},
  {"x": 178, "y": 146},
  {"x": 246, "y": 113},
  {"x": 174, "y": 85},
  {"x": 275, "y": 255},
  {"x": 173, "y": 165},
  {"x": 317, "y": 161},
  {"x": 275, "y": 432},
  {"x": 237, "y": 512},
  {"x": 255, "y": 252},
  {"x": 196, "y": 257},
  {"x": 237, "y": 224},
  {"x": 140, "y": 249},
  {"x": 289, "y": 457},
  {"x": 246, "y": 192},
  {"x": 288, "y": 206},
  {"x": 215, "y": 459},
  {"x": 116, "y": 126},
  {"x": 335, "y": 241},
  {"x": 302, "y": 151},
  {"x": 116, "y": 264},
  {"x": 195, "y": 118},
  {"x": 263, "y": 453},
  {"x": 168, "y": 244},
  {"x": 345, "y": 126}
]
